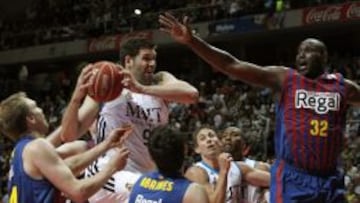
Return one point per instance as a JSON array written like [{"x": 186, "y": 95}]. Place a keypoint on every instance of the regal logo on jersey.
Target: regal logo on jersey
[{"x": 320, "y": 102}]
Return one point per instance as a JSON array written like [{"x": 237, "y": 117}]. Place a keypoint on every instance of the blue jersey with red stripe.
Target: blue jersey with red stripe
[{"x": 310, "y": 120}]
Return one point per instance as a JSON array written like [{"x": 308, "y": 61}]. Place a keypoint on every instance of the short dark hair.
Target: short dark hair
[
  {"x": 132, "y": 46},
  {"x": 167, "y": 149}
]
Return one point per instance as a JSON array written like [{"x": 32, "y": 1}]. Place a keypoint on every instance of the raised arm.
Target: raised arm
[
  {"x": 79, "y": 114},
  {"x": 220, "y": 59},
  {"x": 166, "y": 86}
]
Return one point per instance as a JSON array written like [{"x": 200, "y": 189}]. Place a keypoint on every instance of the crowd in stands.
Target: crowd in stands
[
  {"x": 47, "y": 21},
  {"x": 223, "y": 102}
]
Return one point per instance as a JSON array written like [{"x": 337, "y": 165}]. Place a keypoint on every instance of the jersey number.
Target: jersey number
[
  {"x": 319, "y": 128},
  {"x": 14, "y": 195},
  {"x": 146, "y": 136}
]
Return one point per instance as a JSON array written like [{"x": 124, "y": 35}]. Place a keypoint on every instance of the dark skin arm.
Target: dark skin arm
[
  {"x": 353, "y": 92},
  {"x": 269, "y": 76}
]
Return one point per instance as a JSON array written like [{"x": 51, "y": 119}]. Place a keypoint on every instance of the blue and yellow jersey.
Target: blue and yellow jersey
[
  {"x": 157, "y": 189},
  {"x": 21, "y": 187},
  {"x": 310, "y": 119}
]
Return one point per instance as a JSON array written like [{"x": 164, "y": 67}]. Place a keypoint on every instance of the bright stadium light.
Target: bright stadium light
[{"x": 137, "y": 11}]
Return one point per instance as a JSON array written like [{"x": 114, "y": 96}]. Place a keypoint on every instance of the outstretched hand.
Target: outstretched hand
[
  {"x": 180, "y": 31},
  {"x": 115, "y": 142}
]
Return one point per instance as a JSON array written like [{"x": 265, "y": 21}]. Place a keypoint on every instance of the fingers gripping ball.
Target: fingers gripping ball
[{"x": 107, "y": 82}]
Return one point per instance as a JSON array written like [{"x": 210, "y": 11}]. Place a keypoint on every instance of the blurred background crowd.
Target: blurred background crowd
[
  {"x": 223, "y": 102},
  {"x": 49, "y": 21}
]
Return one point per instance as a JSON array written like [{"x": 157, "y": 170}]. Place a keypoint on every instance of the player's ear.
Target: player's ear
[
  {"x": 30, "y": 119},
  {"x": 196, "y": 150}
]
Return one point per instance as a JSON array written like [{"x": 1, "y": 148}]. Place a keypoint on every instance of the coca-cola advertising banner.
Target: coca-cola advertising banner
[
  {"x": 112, "y": 43},
  {"x": 331, "y": 13}
]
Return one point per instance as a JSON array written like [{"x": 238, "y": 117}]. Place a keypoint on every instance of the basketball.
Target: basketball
[{"x": 107, "y": 82}]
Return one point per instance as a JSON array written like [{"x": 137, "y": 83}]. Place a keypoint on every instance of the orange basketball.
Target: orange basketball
[{"x": 107, "y": 82}]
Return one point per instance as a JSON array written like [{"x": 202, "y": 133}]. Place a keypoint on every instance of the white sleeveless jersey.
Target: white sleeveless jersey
[
  {"x": 252, "y": 193},
  {"x": 144, "y": 112},
  {"x": 233, "y": 189}
]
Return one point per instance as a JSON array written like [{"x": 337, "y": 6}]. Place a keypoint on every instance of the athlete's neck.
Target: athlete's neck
[{"x": 212, "y": 162}]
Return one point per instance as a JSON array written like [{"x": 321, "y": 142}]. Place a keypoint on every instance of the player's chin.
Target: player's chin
[
  {"x": 227, "y": 147},
  {"x": 148, "y": 79},
  {"x": 302, "y": 70}
]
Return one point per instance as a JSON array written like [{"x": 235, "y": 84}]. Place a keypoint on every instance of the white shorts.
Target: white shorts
[{"x": 117, "y": 189}]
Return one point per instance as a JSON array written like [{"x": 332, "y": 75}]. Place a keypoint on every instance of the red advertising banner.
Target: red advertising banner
[
  {"x": 331, "y": 13},
  {"x": 112, "y": 43}
]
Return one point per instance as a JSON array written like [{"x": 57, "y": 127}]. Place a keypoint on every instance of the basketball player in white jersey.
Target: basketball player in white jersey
[
  {"x": 235, "y": 144},
  {"x": 221, "y": 176},
  {"x": 143, "y": 104}
]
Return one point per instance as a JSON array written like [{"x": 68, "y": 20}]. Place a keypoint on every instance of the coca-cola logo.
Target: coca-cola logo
[
  {"x": 113, "y": 42},
  {"x": 323, "y": 14},
  {"x": 353, "y": 11},
  {"x": 101, "y": 44}
]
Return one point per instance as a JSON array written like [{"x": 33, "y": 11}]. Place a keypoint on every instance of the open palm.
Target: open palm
[{"x": 180, "y": 31}]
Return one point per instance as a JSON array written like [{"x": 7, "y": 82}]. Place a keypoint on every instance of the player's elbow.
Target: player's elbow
[
  {"x": 193, "y": 96},
  {"x": 79, "y": 196}
]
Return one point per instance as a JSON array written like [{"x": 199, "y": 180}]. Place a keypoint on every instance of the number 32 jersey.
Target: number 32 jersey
[
  {"x": 310, "y": 119},
  {"x": 144, "y": 113}
]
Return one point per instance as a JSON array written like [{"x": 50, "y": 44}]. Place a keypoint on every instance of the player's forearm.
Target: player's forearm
[
  {"x": 220, "y": 190},
  {"x": 54, "y": 138},
  {"x": 69, "y": 122},
  {"x": 89, "y": 186},
  {"x": 217, "y": 58},
  {"x": 258, "y": 178},
  {"x": 79, "y": 162},
  {"x": 178, "y": 92},
  {"x": 72, "y": 148}
]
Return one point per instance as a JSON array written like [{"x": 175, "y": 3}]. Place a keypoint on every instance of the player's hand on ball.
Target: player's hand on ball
[
  {"x": 130, "y": 82},
  {"x": 85, "y": 80}
]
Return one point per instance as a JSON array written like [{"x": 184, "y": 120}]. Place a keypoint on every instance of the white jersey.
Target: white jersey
[
  {"x": 252, "y": 193},
  {"x": 144, "y": 112},
  {"x": 233, "y": 188}
]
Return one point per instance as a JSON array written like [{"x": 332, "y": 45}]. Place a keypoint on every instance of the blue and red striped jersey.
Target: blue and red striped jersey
[{"x": 310, "y": 119}]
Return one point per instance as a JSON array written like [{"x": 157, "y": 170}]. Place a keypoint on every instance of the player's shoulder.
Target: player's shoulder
[
  {"x": 38, "y": 145},
  {"x": 162, "y": 76},
  {"x": 262, "y": 166},
  {"x": 197, "y": 174}
]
